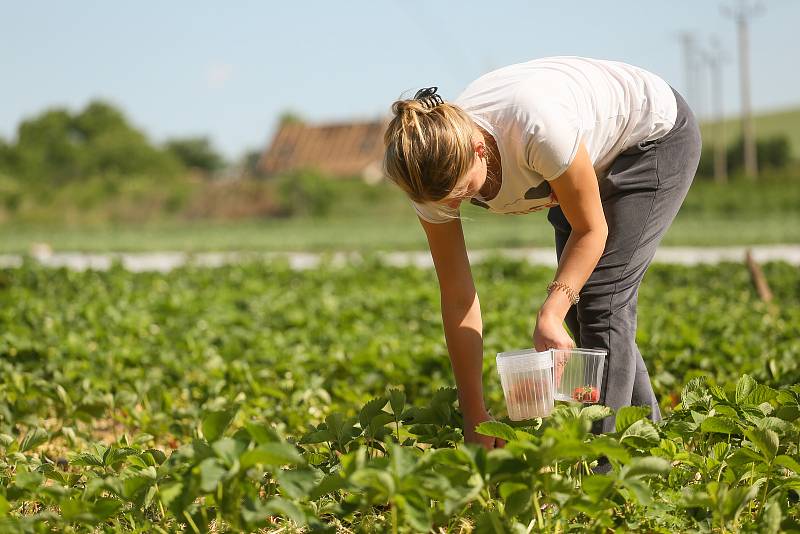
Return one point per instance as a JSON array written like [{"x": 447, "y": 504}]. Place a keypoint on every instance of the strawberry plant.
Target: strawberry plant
[{"x": 258, "y": 398}]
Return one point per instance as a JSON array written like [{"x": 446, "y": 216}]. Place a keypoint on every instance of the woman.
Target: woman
[{"x": 611, "y": 149}]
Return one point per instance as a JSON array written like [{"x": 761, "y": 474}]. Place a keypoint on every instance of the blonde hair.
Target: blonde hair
[{"x": 428, "y": 149}]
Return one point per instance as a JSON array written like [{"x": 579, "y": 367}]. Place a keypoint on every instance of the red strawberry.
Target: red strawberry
[{"x": 586, "y": 394}]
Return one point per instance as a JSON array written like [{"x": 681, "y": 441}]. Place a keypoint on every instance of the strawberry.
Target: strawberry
[{"x": 586, "y": 394}]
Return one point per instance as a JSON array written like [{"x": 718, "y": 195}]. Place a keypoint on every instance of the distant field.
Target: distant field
[
  {"x": 780, "y": 122},
  {"x": 394, "y": 233},
  {"x": 380, "y": 218}
]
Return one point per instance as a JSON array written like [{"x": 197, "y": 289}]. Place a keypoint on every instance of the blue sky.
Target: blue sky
[{"x": 228, "y": 69}]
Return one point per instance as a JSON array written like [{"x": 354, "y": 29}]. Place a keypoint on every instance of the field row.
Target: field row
[{"x": 256, "y": 396}]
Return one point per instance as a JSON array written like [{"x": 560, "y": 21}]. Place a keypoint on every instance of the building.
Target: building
[{"x": 339, "y": 150}]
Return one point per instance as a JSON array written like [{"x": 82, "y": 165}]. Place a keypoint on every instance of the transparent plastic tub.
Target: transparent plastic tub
[
  {"x": 578, "y": 374},
  {"x": 527, "y": 380}
]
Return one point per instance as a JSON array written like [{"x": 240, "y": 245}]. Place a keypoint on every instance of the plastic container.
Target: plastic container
[
  {"x": 578, "y": 374},
  {"x": 527, "y": 380}
]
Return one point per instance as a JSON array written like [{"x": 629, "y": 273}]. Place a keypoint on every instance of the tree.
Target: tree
[
  {"x": 196, "y": 153},
  {"x": 56, "y": 147},
  {"x": 774, "y": 152},
  {"x": 250, "y": 162},
  {"x": 6, "y": 156},
  {"x": 49, "y": 147},
  {"x": 289, "y": 117}
]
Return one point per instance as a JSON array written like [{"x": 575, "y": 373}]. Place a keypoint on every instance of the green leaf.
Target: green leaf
[
  {"x": 215, "y": 423},
  {"x": 627, "y": 415},
  {"x": 695, "y": 497},
  {"x": 735, "y": 499},
  {"x": 297, "y": 483},
  {"x": 490, "y": 523},
  {"x": 744, "y": 387},
  {"x": 317, "y": 436},
  {"x": 641, "y": 435},
  {"x": 33, "y": 439},
  {"x": 272, "y": 454},
  {"x": 771, "y": 518},
  {"x": 284, "y": 508},
  {"x": 104, "y": 508},
  {"x": 743, "y": 456},
  {"x": 496, "y": 429},
  {"x": 518, "y": 502},
  {"x": 720, "y": 425},
  {"x": 261, "y": 433},
  {"x": 4, "y": 506},
  {"x": 328, "y": 484},
  {"x": 375, "y": 479},
  {"x": 28, "y": 480},
  {"x": 397, "y": 400},
  {"x": 370, "y": 410},
  {"x": 759, "y": 395},
  {"x": 228, "y": 449},
  {"x": 341, "y": 427},
  {"x": 595, "y": 412},
  {"x": 717, "y": 392},
  {"x": 133, "y": 485},
  {"x": 645, "y": 465},
  {"x": 788, "y": 413},
  {"x": 169, "y": 491},
  {"x": 774, "y": 423},
  {"x": 507, "y": 488},
  {"x": 158, "y": 456},
  {"x": 610, "y": 447},
  {"x": 639, "y": 489},
  {"x": 788, "y": 462},
  {"x": 766, "y": 440},
  {"x": 211, "y": 473},
  {"x": 596, "y": 486}
]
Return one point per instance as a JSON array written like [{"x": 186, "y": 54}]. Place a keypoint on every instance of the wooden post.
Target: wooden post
[{"x": 757, "y": 275}]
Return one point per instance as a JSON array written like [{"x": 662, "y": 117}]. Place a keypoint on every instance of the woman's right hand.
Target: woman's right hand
[{"x": 470, "y": 436}]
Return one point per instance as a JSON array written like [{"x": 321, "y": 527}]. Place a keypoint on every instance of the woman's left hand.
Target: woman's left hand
[{"x": 551, "y": 334}]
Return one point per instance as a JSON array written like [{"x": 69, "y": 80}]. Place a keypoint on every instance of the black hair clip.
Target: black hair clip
[{"x": 428, "y": 97}]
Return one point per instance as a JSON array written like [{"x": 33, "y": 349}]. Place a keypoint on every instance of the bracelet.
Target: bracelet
[{"x": 573, "y": 295}]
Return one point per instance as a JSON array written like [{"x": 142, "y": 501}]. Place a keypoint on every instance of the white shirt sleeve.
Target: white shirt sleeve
[
  {"x": 551, "y": 136},
  {"x": 436, "y": 214}
]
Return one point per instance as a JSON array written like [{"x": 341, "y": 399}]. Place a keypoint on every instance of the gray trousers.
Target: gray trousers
[{"x": 641, "y": 195}]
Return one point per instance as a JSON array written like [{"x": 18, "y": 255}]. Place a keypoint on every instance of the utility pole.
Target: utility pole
[
  {"x": 690, "y": 67},
  {"x": 714, "y": 58},
  {"x": 741, "y": 12}
]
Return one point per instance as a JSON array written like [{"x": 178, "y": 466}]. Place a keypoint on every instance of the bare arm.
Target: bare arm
[
  {"x": 579, "y": 197},
  {"x": 461, "y": 316}
]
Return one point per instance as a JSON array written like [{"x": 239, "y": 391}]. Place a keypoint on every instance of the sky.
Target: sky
[{"x": 228, "y": 70}]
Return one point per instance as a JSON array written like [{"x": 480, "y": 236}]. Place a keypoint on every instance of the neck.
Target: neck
[{"x": 494, "y": 177}]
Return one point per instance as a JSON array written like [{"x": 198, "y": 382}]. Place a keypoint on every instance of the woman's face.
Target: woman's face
[{"x": 474, "y": 178}]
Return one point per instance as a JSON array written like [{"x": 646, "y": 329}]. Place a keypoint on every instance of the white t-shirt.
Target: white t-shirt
[{"x": 540, "y": 110}]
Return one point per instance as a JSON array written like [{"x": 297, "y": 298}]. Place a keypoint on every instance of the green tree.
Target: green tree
[
  {"x": 49, "y": 147},
  {"x": 250, "y": 162},
  {"x": 114, "y": 147},
  {"x": 289, "y": 117},
  {"x": 306, "y": 192},
  {"x": 773, "y": 152},
  {"x": 196, "y": 153},
  {"x": 6, "y": 156},
  {"x": 56, "y": 147}
]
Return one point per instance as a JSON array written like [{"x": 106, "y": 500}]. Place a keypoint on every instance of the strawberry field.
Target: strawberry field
[{"x": 258, "y": 398}]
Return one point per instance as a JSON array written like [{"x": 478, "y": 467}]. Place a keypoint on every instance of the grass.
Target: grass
[
  {"x": 779, "y": 122},
  {"x": 396, "y": 233},
  {"x": 380, "y": 218}
]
